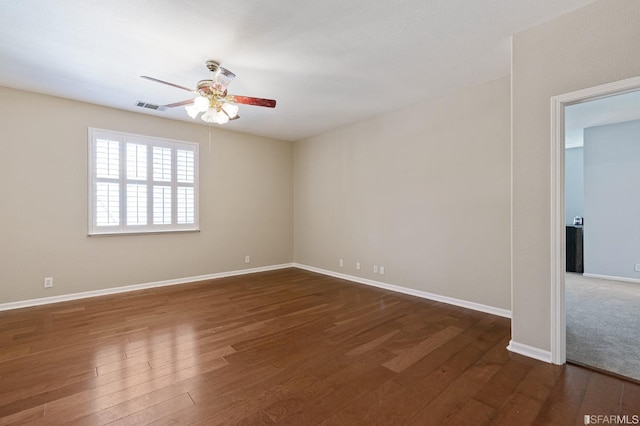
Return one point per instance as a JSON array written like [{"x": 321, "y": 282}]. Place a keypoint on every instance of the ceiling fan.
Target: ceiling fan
[{"x": 212, "y": 99}]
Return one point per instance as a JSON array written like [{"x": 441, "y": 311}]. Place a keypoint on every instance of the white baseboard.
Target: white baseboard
[
  {"x": 418, "y": 293},
  {"x": 530, "y": 351},
  {"x": 124, "y": 289},
  {"x": 612, "y": 278},
  {"x": 186, "y": 280}
]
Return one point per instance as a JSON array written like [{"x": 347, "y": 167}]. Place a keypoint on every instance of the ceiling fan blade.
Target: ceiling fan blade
[
  {"x": 247, "y": 100},
  {"x": 167, "y": 83},
  {"x": 225, "y": 76},
  {"x": 177, "y": 104}
]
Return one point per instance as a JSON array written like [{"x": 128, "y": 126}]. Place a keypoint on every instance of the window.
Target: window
[{"x": 141, "y": 184}]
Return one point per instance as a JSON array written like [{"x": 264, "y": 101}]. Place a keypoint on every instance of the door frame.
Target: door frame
[{"x": 558, "y": 243}]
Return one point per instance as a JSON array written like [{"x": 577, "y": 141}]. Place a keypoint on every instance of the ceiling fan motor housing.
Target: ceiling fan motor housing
[
  {"x": 213, "y": 66},
  {"x": 211, "y": 89}
]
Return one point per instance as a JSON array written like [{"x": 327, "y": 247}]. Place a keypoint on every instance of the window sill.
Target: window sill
[{"x": 119, "y": 234}]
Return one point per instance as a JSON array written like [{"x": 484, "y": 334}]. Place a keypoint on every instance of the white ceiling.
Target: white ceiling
[
  {"x": 608, "y": 110},
  {"x": 327, "y": 63}
]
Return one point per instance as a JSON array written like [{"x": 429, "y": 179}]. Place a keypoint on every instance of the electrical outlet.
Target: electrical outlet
[
  {"x": 341, "y": 263},
  {"x": 48, "y": 282},
  {"x": 375, "y": 269},
  {"x": 381, "y": 270},
  {"x": 358, "y": 265},
  {"x": 637, "y": 267},
  {"x": 247, "y": 259}
]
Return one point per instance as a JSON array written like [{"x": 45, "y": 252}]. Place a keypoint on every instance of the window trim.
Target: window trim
[{"x": 150, "y": 141}]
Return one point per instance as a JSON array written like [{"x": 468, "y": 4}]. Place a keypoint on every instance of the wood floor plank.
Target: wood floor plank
[
  {"x": 473, "y": 412},
  {"x": 29, "y": 416},
  {"x": 445, "y": 406},
  {"x": 565, "y": 399},
  {"x": 15, "y": 352},
  {"x": 87, "y": 402},
  {"x": 422, "y": 349},
  {"x": 283, "y": 347},
  {"x": 342, "y": 392},
  {"x": 418, "y": 394},
  {"x": 362, "y": 410},
  {"x": 630, "y": 396},
  {"x": 131, "y": 407},
  {"x": 603, "y": 395},
  {"x": 229, "y": 396},
  {"x": 520, "y": 409},
  {"x": 497, "y": 391},
  {"x": 373, "y": 344},
  {"x": 256, "y": 419}
]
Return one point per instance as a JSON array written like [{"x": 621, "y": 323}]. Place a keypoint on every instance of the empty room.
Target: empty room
[{"x": 297, "y": 212}]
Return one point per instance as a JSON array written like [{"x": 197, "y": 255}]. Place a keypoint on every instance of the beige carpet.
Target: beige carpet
[{"x": 603, "y": 324}]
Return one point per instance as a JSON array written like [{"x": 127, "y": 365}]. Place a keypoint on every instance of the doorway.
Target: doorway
[{"x": 558, "y": 203}]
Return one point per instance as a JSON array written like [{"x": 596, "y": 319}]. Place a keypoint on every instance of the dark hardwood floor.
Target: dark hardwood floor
[{"x": 283, "y": 347}]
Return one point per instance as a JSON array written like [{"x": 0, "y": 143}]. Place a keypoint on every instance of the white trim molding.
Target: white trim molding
[
  {"x": 187, "y": 280},
  {"x": 135, "y": 287},
  {"x": 557, "y": 213},
  {"x": 529, "y": 351},
  {"x": 612, "y": 278},
  {"x": 412, "y": 292}
]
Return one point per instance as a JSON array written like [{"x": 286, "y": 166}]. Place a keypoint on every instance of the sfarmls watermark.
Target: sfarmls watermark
[{"x": 601, "y": 419}]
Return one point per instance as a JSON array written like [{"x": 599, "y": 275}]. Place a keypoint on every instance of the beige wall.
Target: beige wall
[
  {"x": 424, "y": 191},
  {"x": 246, "y": 204},
  {"x": 591, "y": 46}
]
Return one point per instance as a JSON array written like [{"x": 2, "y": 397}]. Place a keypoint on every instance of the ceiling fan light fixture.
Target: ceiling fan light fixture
[
  {"x": 212, "y": 115},
  {"x": 201, "y": 103},
  {"x": 230, "y": 110},
  {"x": 192, "y": 111},
  {"x": 220, "y": 117},
  {"x": 209, "y": 116}
]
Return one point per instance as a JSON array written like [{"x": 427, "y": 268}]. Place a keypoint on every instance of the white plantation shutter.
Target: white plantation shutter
[
  {"x": 136, "y": 204},
  {"x": 186, "y": 185},
  {"x": 161, "y": 164},
  {"x": 161, "y": 205},
  {"x": 141, "y": 184},
  {"x": 186, "y": 202},
  {"x": 136, "y": 161},
  {"x": 186, "y": 166},
  {"x": 107, "y": 204},
  {"x": 107, "y": 173}
]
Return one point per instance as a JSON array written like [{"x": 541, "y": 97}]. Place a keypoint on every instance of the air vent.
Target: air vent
[{"x": 150, "y": 106}]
